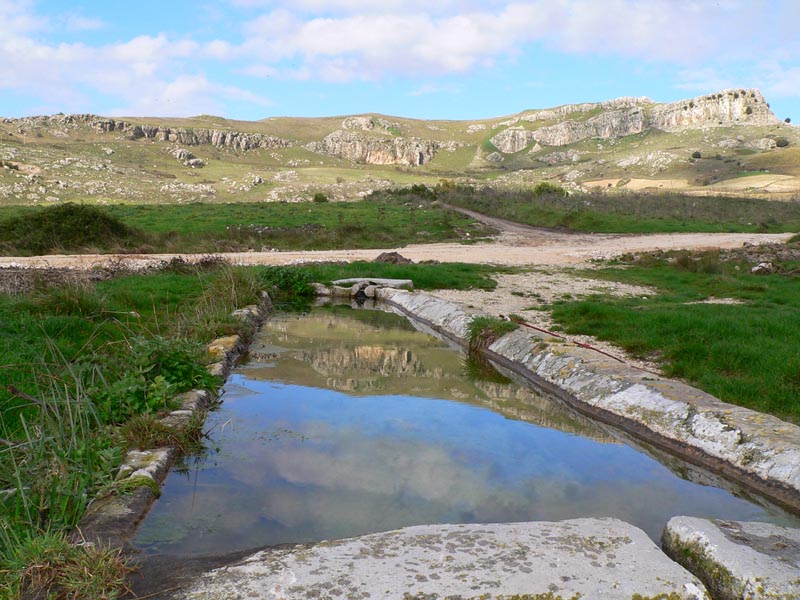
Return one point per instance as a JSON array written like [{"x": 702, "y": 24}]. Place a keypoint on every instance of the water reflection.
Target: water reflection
[{"x": 351, "y": 422}]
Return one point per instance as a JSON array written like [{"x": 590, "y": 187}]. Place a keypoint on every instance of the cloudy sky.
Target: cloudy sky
[{"x": 250, "y": 59}]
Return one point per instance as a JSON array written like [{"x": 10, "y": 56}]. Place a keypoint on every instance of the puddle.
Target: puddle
[{"x": 347, "y": 422}]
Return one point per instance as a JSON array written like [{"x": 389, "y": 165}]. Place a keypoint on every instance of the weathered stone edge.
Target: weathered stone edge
[
  {"x": 730, "y": 567},
  {"x": 112, "y": 520},
  {"x": 756, "y": 450}
]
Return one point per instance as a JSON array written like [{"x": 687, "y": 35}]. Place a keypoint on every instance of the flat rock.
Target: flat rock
[
  {"x": 737, "y": 559},
  {"x": 405, "y": 284},
  {"x": 591, "y": 558}
]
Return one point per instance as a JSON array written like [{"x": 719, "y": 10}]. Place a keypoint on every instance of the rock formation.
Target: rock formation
[
  {"x": 367, "y": 123},
  {"x": 628, "y": 116},
  {"x": 373, "y": 150},
  {"x": 220, "y": 138},
  {"x": 513, "y": 140}
]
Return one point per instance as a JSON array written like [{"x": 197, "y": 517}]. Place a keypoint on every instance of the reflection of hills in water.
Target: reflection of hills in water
[{"x": 359, "y": 354}]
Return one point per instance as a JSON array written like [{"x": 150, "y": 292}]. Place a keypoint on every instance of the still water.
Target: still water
[{"x": 348, "y": 421}]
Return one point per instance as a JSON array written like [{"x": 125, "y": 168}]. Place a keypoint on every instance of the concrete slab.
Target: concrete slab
[
  {"x": 736, "y": 559},
  {"x": 586, "y": 558}
]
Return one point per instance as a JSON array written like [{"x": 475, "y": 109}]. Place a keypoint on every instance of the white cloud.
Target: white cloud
[
  {"x": 374, "y": 39},
  {"x": 79, "y": 23},
  {"x": 713, "y": 44}
]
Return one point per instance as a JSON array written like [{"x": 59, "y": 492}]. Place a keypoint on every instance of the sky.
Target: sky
[{"x": 429, "y": 59}]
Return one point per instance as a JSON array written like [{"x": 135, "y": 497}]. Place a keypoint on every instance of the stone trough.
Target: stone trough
[{"x": 580, "y": 558}]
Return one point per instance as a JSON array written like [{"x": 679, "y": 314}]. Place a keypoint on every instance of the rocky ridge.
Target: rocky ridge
[
  {"x": 220, "y": 138},
  {"x": 634, "y": 115}
]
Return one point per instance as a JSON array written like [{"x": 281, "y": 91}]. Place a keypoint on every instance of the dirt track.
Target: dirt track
[{"x": 517, "y": 245}]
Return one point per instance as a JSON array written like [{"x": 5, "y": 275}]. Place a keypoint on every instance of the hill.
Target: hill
[{"x": 728, "y": 142}]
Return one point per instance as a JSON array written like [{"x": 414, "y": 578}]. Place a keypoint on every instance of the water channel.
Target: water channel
[{"x": 346, "y": 422}]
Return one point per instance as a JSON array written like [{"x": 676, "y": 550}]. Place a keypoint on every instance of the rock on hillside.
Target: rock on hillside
[
  {"x": 372, "y": 150},
  {"x": 628, "y": 116},
  {"x": 221, "y": 138}
]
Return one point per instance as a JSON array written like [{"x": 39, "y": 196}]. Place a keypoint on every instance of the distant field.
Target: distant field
[
  {"x": 630, "y": 212},
  {"x": 204, "y": 227}
]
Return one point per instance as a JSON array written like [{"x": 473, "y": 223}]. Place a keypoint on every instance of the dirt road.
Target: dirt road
[{"x": 516, "y": 246}]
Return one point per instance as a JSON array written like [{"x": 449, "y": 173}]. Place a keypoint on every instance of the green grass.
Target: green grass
[
  {"x": 745, "y": 354},
  {"x": 629, "y": 212},
  {"x": 203, "y": 227}
]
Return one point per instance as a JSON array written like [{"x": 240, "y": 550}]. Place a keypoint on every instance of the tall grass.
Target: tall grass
[{"x": 83, "y": 368}]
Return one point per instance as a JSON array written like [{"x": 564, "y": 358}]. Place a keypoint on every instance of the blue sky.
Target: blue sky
[{"x": 456, "y": 59}]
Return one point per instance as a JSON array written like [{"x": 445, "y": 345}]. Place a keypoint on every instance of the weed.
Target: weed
[
  {"x": 483, "y": 331},
  {"x": 66, "y": 227},
  {"x": 627, "y": 213},
  {"x": 147, "y": 431},
  {"x": 48, "y": 566}
]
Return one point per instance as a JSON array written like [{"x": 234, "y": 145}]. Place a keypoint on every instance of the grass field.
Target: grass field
[
  {"x": 629, "y": 212},
  {"x": 202, "y": 227},
  {"x": 744, "y": 353}
]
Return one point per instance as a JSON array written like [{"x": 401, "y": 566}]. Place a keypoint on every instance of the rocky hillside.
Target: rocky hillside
[{"x": 703, "y": 142}]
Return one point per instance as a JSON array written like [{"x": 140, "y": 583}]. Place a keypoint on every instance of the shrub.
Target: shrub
[
  {"x": 65, "y": 227},
  {"x": 781, "y": 142},
  {"x": 544, "y": 187},
  {"x": 748, "y": 110},
  {"x": 320, "y": 198},
  {"x": 697, "y": 154}
]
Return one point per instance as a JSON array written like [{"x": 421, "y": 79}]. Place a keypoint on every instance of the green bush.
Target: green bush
[
  {"x": 320, "y": 198},
  {"x": 544, "y": 188},
  {"x": 781, "y": 142},
  {"x": 697, "y": 154},
  {"x": 66, "y": 227}
]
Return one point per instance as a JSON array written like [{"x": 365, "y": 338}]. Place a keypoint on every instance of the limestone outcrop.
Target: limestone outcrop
[
  {"x": 513, "y": 140},
  {"x": 611, "y": 124},
  {"x": 367, "y": 123},
  {"x": 220, "y": 138},
  {"x": 628, "y": 116},
  {"x": 368, "y": 149},
  {"x": 729, "y": 107}
]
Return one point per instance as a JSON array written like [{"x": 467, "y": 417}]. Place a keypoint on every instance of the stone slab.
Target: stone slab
[
  {"x": 586, "y": 558},
  {"x": 737, "y": 559},
  {"x": 388, "y": 283}
]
